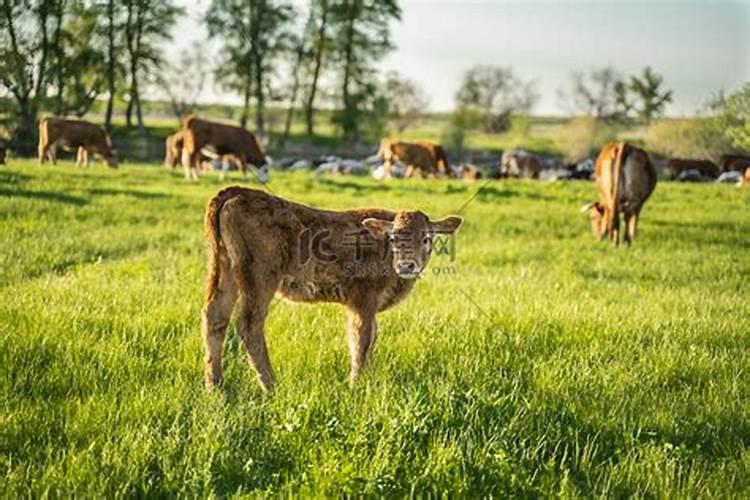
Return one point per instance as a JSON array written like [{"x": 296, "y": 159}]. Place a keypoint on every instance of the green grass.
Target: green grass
[{"x": 538, "y": 363}]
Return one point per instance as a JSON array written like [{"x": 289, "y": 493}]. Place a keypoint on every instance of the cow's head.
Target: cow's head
[
  {"x": 598, "y": 220},
  {"x": 111, "y": 158},
  {"x": 410, "y": 236}
]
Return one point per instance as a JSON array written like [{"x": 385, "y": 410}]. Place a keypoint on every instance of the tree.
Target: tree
[
  {"x": 300, "y": 54},
  {"x": 80, "y": 67},
  {"x": 148, "y": 25},
  {"x": 320, "y": 13},
  {"x": 183, "y": 82},
  {"x": 601, "y": 94},
  {"x": 407, "y": 100},
  {"x": 360, "y": 36},
  {"x": 738, "y": 109},
  {"x": 254, "y": 34},
  {"x": 496, "y": 93},
  {"x": 24, "y": 56},
  {"x": 648, "y": 91},
  {"x": 113, "y": 69}
]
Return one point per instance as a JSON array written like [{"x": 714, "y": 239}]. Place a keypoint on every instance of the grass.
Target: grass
[{"x": 537, "y": 363}]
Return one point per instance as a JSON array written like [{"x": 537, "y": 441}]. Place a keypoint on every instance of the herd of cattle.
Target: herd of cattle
[{"x": 204, "y": 144}]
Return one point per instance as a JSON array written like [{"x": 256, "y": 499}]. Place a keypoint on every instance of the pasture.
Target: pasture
[{"x": 538, "y": 362}]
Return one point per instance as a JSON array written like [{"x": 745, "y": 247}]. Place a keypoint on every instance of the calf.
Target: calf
[
  {"x": 75, "y": 135},
  {"x": 424, "y": 157},
  {"x": 520, "y": 163},
  {"x": 173, "y": 150},
  {"x": 224, "y": 140},
  {"x": 260, "y": 245},
  {"x": 625, "y": 178}
]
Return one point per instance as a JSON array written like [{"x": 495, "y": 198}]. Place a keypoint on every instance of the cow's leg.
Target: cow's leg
[
  {"x": 409, "y": 172},
  {"x": 42, "y": 152},
  {"x": 52, "y": 153},
  {"x": 221, "y": 296},
  {"x": 188, "y": 162},
  {"x": 614, "y": 235},
  {"x": 361, "y": 331},
  {"x": 631, "y": 226}
]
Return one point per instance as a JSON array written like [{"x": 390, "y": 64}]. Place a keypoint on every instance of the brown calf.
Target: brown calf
[
  {"x": 173, "y": 150},
  {"x": 422, "y": 157},
  {"x": 625, "y": 178},
  {"x": 74, "y": 135},
  {"x": 223, "y": 140},
  {"x": 261, "y": 245}
]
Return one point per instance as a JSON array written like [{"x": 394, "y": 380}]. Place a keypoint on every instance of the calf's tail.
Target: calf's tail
[{"x": 215, "y": 246}]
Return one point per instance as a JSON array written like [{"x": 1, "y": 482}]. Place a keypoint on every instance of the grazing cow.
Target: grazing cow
[
  {"x": 173, "y": 150},
  {"x": 706, "y": 168},
  {"x": 74, "y": 135},
  {"x": 737, "y": 163},
  {"x": 223, "y": 140},
  {"x": 260, "y": 245},
  {"x": 425, "y": 157},
  {"x": 625, "y": 178},
  {"x": 520, "y": 163}
]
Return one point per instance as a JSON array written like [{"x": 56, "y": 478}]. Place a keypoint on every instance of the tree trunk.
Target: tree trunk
[
  {"x": 136, "y": 89},
  {"x": 26, "y": 132},
  {"x": 246, "y": 105},
  {"x": 310, "y": 107},
  {"x": 59, "y": 54},
  {"x": 349, "y": 121},
  {"x": 110, "y": 63}
]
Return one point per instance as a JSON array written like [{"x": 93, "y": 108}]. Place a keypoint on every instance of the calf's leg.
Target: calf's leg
[
  {"x": 221, "y": 296},
  {"x": 253, "y": 312},
  {"x": 361, "y": 331}
]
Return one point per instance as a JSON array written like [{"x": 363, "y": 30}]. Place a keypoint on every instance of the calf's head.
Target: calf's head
[{"x": 410, "y": 236}]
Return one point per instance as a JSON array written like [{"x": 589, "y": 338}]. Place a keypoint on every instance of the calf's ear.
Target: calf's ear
[
  {"x": 447, "y": 225},
  {"x": 378, "y": 228}
]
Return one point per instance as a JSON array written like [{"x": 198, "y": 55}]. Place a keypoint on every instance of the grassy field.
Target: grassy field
[{"x": 537, "y": 363}]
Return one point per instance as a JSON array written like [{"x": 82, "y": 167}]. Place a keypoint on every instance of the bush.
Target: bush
[
  {"x": 583, "y": 137},
  {"x": 702, "y": 138}
]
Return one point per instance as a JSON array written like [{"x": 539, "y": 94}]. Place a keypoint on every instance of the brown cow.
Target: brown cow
[
  {"x": 737, "y": 163},
  {"x": 625, "y": 178},
  {"x": 260, "y": 245},
  {"x": 74, "y": 135},
  {"x": 173, "y": 150},
  {"x": 707, "y": 168},
  {"x": 223, "y": 140},
  {"x": 424, "y": 157}
]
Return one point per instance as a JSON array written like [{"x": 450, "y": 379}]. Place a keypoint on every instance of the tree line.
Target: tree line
[{"x": 63, "y": 56}]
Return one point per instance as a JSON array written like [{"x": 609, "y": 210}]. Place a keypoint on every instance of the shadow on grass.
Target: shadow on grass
[
  {"x": 43, "y": 196},
  {"x": 13, "y": 178},
  {"x": 490, "y": 193},
  {"x": 143, "y": 195}
]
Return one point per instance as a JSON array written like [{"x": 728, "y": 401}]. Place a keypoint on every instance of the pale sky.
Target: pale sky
[{"x": 700, "y": 47}]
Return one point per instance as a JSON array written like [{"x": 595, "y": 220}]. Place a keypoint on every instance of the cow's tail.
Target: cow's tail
[{"x": 615, "y": 215}]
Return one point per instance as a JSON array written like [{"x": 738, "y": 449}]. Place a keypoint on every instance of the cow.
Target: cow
[
  {"x": 706, "y": 168},
  {"x": 173, "y": 150},
  {"x": 737, "y": 163},
  {"x": 74, "y": 135},
  {"x": 625, "y": 178},
  {"x": 520, "y": 163},
  {"x": 427, "y": 158},
  {"x": 223, "y": 140},
  {"x": 260, "y": 245}
]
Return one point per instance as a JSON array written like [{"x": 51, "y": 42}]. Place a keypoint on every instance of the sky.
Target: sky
[{"x": 700, "y": 47}]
